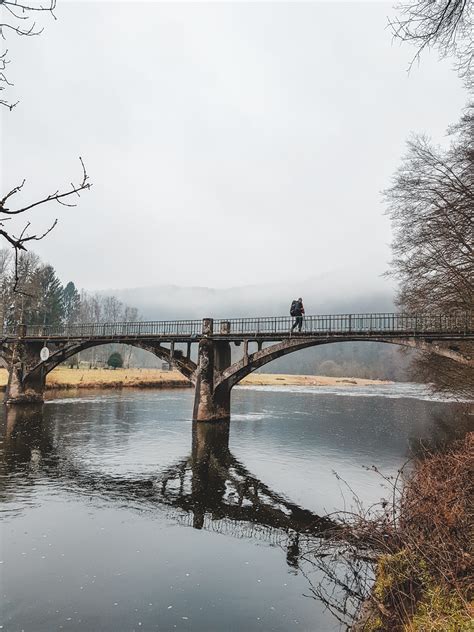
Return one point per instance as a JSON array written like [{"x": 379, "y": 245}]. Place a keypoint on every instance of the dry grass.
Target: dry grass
[
  {"x": 417, "y": 545},
  {"x": 3, "y": 377},
  {"x": 426, "y": 583},
  {"x": 63, "y": 377},
  {"x": 423, "y": 540},
  {"x": 268, "y": 379},
  {"x": 437, "y": 508}
]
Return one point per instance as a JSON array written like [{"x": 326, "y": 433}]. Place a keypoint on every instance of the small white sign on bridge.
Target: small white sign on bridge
[{"x": 44, "y": 353}]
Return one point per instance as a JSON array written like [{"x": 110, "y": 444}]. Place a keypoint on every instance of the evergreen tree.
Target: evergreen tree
[
  {"x": 115, "y": 360},
  {"x": 71, "y": 303},
  {"x": 49, "y": 291},
  {"x": 19, "y": 304}
]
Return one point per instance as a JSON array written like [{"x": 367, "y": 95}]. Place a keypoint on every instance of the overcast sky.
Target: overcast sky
[{"x": 227, "y": 144}]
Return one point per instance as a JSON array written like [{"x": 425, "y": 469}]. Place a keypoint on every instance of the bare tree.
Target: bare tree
[
  {"x": 19, "y": 242},
  {"x": 431, "y": 205},
  {"x": 18, "y": 17},
  {"x": 447, "y": 376},
  {"x": 443, "y": 24},
  {"x": 112, "y": 309}
]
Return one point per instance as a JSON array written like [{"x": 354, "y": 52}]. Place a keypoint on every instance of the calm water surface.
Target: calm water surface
[{"x": 117, "y": 516}]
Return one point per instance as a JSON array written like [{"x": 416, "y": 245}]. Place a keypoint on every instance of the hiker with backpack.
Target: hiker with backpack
[{"x": 297, "y": 311}]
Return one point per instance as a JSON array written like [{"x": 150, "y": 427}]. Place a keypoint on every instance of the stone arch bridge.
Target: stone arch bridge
[{"x": 214, "y": 374}]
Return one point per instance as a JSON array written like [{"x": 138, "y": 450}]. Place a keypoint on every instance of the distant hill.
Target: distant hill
[{"x": 339, "y": 292}]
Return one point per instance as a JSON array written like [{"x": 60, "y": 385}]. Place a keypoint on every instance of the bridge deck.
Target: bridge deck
[{"x": 344, "y": 326}]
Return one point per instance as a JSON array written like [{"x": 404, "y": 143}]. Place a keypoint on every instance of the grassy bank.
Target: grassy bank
[{"x": 65, "y": 378}]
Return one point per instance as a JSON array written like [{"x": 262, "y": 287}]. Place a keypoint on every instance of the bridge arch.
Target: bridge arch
[
  {"x": 183, "y": 364},
  {"x": 240, "y": 369}
]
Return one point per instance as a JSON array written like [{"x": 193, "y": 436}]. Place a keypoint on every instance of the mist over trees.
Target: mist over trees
[
  {"x": 327, "y": 293},
  {"x": 370, "y": 360}
]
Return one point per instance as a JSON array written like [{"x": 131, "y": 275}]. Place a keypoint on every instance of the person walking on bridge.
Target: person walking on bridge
[{"x": 297, "y": 310}]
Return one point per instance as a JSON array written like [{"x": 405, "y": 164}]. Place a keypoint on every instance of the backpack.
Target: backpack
[{"x": 293, "y": 308}]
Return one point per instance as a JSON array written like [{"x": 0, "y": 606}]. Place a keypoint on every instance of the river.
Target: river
[{"x": 118, "y": 515}]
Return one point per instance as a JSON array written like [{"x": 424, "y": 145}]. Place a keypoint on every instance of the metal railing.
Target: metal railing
[
  {"x": 350, "y": 323},
  {"x": 113, "y": 330},
  {"x": 383, "y": 323}
]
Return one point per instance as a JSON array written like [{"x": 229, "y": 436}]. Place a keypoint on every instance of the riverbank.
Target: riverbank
[
  {"x": 65, "y": 378},
  {"x": 424, "y": 577},
  {"x": 276, "y": 379}
]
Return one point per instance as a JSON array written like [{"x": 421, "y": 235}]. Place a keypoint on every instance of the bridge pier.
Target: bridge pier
[
  {"x": 211, "y": 402},
  {"x": 25, "y": 387}
]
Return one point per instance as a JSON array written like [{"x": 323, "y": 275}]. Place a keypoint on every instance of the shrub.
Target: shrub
[{"x": 115, "y": 360}]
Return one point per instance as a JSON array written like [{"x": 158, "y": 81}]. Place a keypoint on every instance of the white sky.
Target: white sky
[{"x": 227, "y": 144}]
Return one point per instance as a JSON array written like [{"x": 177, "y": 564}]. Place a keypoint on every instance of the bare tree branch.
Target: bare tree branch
[
  {"x": 18, "y": 242},
  {"x": 443, "y": 24},
  {"x": 58, "y": 196},
  {"x": 18, "y": 20}
]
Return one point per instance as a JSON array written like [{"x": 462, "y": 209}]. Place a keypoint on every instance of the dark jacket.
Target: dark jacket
[{"x": 299, "y": 310}]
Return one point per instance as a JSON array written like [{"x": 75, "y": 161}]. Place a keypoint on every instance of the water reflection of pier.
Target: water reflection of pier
[{"x": 210, "y": 489}]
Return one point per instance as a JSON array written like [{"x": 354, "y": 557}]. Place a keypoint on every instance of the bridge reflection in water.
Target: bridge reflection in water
[{"x": 209, "y": 489}]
